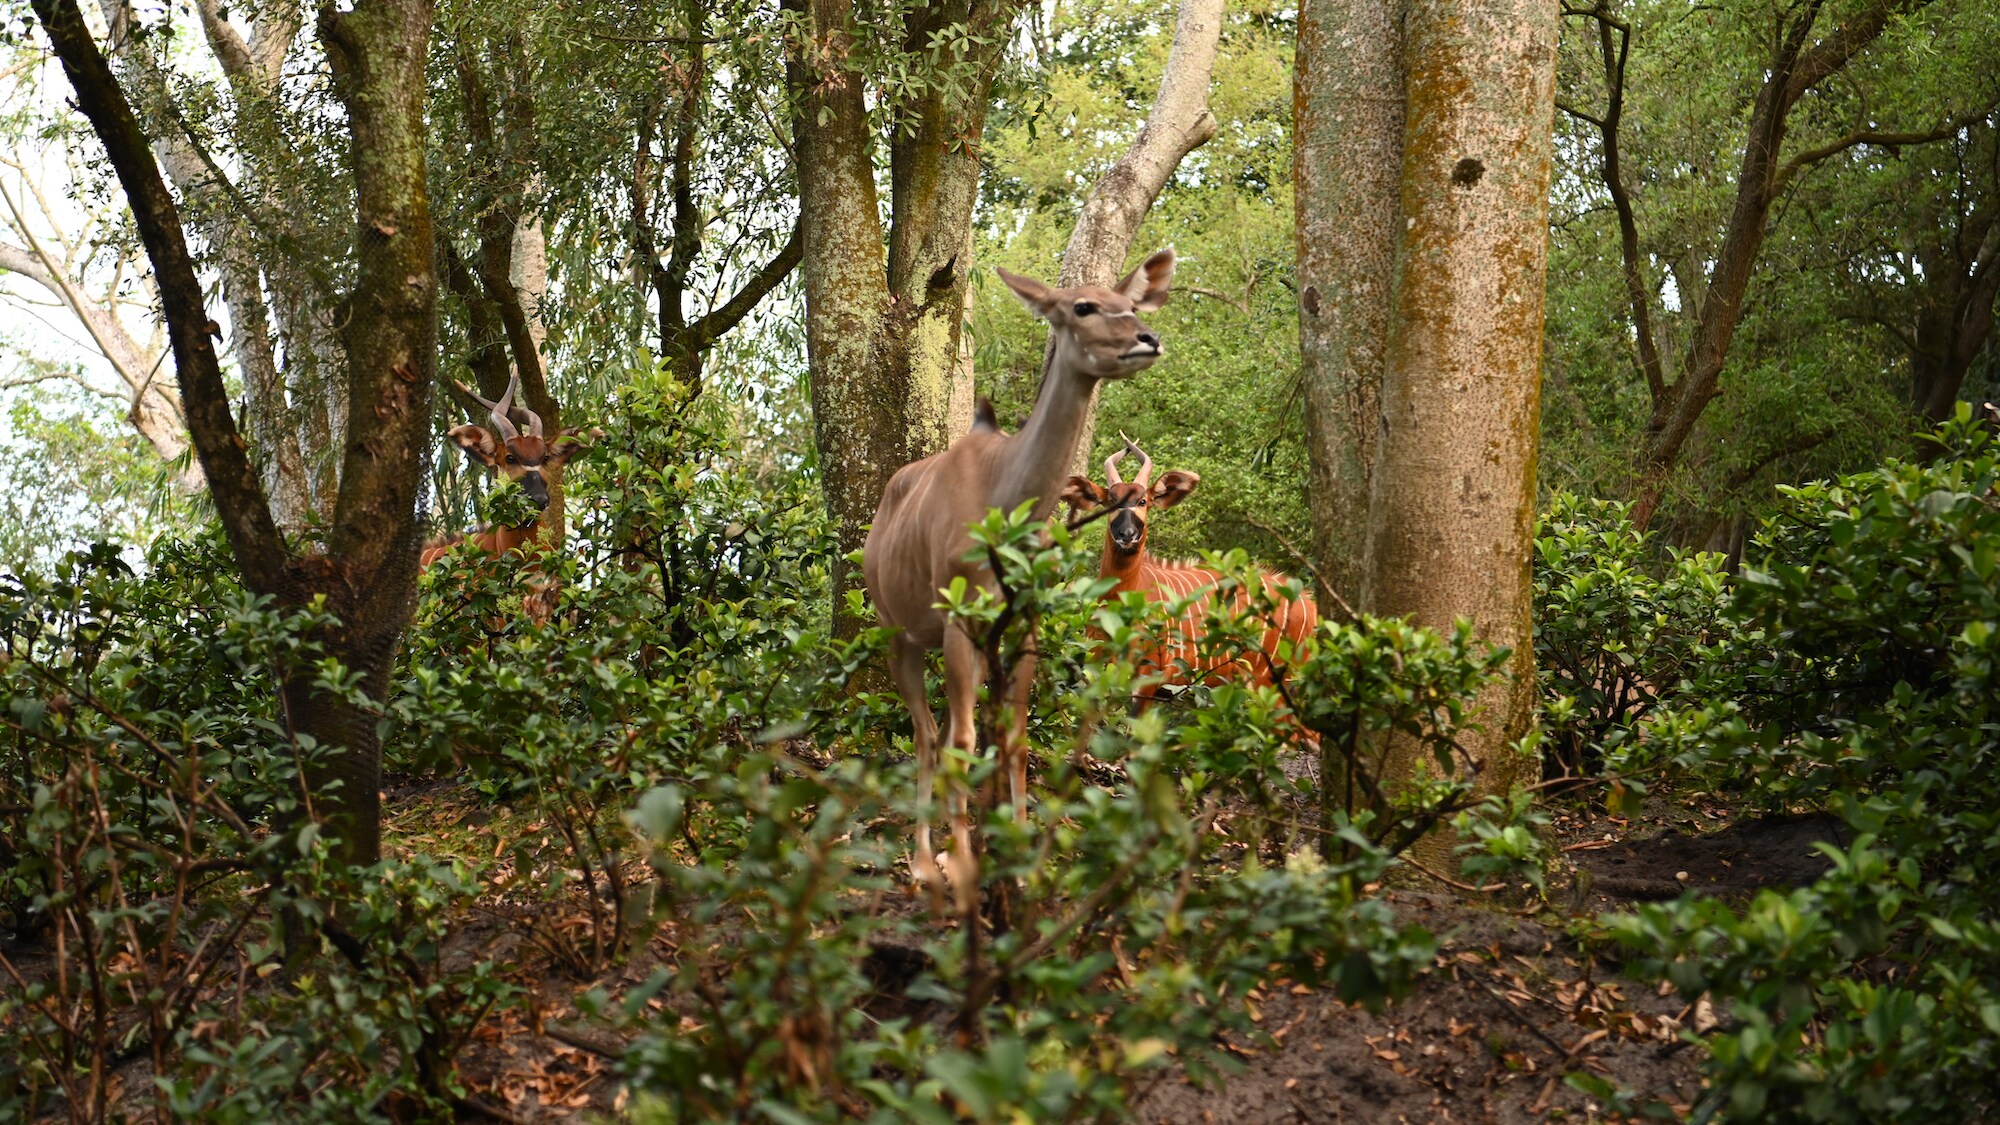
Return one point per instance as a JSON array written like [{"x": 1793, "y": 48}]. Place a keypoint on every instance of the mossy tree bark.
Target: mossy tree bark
[
  {"x": 1347, "y": 110},
  {"x": 1451, "y": 509},
  {"x": 367, "y": 574},
  {"x": 883, "y": 308},
  {"x": 1424, "y": 145}
]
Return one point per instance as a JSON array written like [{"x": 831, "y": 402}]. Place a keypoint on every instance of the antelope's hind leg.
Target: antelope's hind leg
[
  {"x": 906, "y": 669},
  {"x": 964, "y": 669},
  {"x": 1014, "y": 753}
]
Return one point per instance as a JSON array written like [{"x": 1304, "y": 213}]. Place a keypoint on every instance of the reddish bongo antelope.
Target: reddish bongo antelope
[
  {"x": 919, "y": 543},
  {"x": 1181, "y": 661},
  {"x": 519, "y": 457}
]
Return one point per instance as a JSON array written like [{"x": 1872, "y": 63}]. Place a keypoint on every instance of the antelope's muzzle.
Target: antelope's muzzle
[
  {"x": 1127, "y": 531},
  {"x": 536, "y": 488}
]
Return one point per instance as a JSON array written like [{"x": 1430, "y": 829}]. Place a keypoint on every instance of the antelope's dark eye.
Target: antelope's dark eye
[
  {"x": 1085, "y": 308},
  {"x": 510, "y": 458}
]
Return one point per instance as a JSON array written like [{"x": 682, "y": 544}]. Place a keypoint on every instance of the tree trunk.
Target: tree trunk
[
  {"x": 882, "y": 329},
  {"x": 1347, "y": 106},
  {"x": 377, "y": 53},
  {"x": 1451, "y": 509},
  {"x": 368, "y": 573},
  {"x": 1179, "y": 123},
  {"x": 1956, "y": 326}
]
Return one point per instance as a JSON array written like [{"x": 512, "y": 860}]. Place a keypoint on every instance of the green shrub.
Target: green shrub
[
  {"x": 159, "y": 853},
  {"x": 1866, "y": 681},
  {"x": 1612, "y": 640}
]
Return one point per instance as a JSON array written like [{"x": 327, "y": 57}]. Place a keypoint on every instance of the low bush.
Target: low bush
[
  {"x": 1613, "y": 639},
  {"x": 1866, "y": 682}
]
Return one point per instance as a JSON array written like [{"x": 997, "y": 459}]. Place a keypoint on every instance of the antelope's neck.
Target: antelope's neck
[
  {"x": 507, "y": 538},
  {"x": 1035, "y": 461},
  {"x": 1127, "y": 569}
]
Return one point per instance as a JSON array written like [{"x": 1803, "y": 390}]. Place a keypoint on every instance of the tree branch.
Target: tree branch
[
  {"x": 1832, "y": 53},
  {"x": 1880, "y": 137},
  {"x": 240, "y": 500},
  {"x": 717, "y": 322}
]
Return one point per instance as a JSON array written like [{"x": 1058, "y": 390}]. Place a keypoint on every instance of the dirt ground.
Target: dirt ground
[{"x": 1510, "y": 1008}]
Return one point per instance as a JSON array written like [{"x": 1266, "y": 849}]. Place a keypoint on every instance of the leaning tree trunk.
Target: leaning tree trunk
[
  {"x": 367, "y": 574},
  {"x": 1347, "y": 106},
  {"x": 1451, "y": 510},
  {"x": 1179, "y": 123}
]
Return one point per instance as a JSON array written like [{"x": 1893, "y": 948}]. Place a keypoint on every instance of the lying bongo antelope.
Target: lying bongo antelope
[{"x": 1182, "y": 661}]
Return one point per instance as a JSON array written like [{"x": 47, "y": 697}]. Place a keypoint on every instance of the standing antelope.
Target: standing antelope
[
  {"x": 1181, "y": 660},
  {"x": 919, "y": 541},
  {"x": 519, "y": 457}
]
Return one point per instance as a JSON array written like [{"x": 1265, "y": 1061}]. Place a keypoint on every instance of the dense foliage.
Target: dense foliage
[
  {"x": 1862, "y": 680},
  {"x": 680, "y": 733}
]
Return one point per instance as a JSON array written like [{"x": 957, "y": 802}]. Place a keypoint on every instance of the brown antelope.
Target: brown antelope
[
  {"x": 521, "y": 458},
  {"x": 919, "y": 541},
  {"x": 1181, "y": 659}
]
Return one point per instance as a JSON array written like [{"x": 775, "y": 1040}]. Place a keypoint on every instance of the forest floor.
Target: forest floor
[{"x": 1511, "y": 1007}]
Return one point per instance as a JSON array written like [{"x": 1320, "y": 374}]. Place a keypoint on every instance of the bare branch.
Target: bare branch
[{"x": 1217, "y": 295}]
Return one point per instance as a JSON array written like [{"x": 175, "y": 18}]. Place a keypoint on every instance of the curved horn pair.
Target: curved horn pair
[
  {"x": 500, "y": 410},
  {"x": 1145, "y": 476}
]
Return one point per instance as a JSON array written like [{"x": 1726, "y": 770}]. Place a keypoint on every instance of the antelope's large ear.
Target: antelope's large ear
[
  {"x": 1172, "y": 488},
  {"x": 569, "y": 445},
  {"x": 1147, "y": 285},
  {"x": 1040, "y": 299},
  {"x": 1082, "y": 495},
  {"x": 478, "y": 443}
]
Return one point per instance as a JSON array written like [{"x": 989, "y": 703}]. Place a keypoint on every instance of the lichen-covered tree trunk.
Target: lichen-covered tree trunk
[
  {"x": 883, "y": 312},
  {"x": 1452, "y": 505},
  {"x": 1347, "y": 106}
]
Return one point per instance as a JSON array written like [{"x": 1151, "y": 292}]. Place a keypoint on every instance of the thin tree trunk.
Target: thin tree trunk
[
  {"x": 1347, "y": 105},
  {"x": 1451, "y": 511}
]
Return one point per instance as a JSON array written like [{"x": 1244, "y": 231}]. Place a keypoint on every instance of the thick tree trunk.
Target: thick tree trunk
[
  {"x": 1451, "y": 511},
  {"x": 1179, "y": 123},
  {"x": 1347, "y": 106},
  {"x": 377, "y": 53}
]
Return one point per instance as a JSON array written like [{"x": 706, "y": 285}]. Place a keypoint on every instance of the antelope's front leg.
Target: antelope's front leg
[{"x": 1014, "y": 752}]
